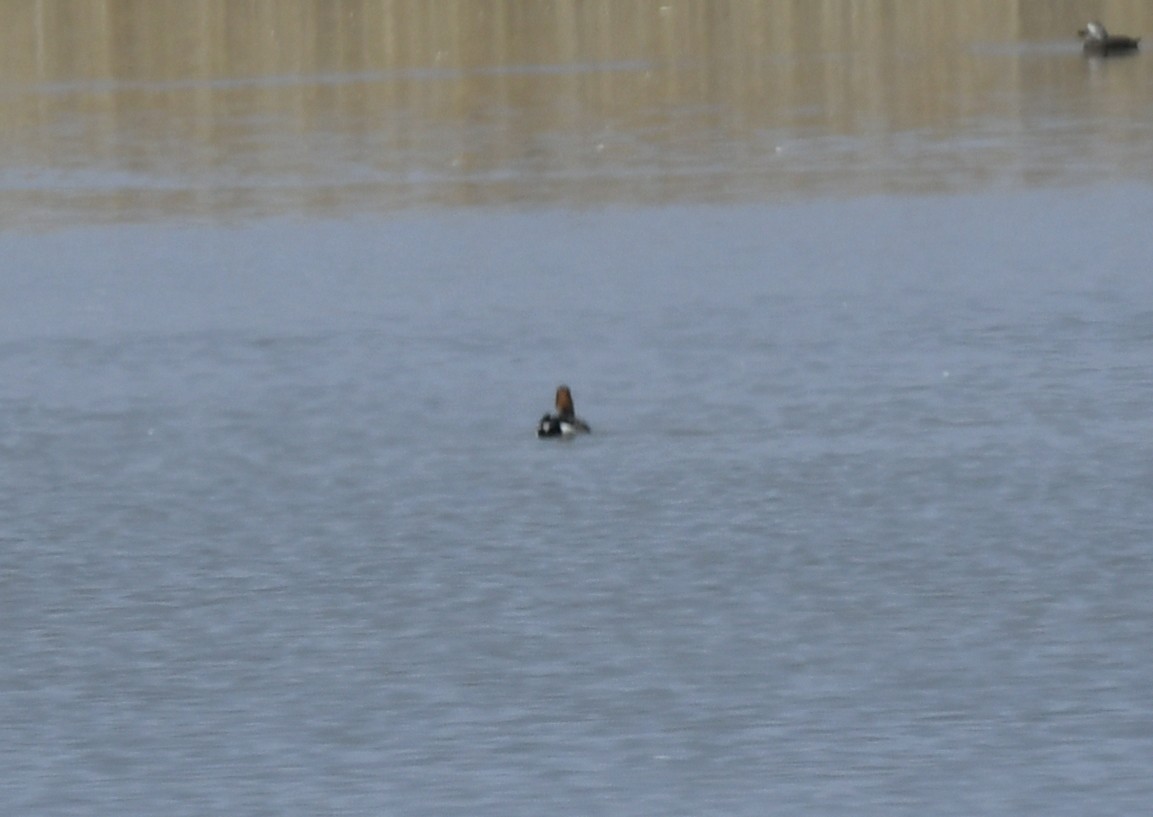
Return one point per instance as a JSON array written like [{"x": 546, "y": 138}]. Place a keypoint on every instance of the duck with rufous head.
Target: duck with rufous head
[{"x": 564, "y": 422}]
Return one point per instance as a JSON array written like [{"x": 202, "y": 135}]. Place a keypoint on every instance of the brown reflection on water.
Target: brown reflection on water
[{"x": 132, "y": 109}]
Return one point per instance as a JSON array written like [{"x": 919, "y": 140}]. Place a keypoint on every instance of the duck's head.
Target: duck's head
[
  {"x": 1094, "y": 31},
  {"x": 564, "y": 406}
]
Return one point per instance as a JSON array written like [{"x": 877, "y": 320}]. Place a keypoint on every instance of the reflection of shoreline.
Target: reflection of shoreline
[
  {"x": 111, "y": 86},
  {"x": 592, "y": 102},
  {"x": 47, "y": 208}
]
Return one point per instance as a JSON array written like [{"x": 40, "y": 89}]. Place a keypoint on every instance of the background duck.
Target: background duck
[
  {"x": 1100, "y": 43},
  {"x": 564, "y": 422}
]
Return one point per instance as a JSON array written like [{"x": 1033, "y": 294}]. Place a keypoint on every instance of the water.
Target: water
[
  {"x": 855, "y": 299},
  {"x": 863, "y": 525}
]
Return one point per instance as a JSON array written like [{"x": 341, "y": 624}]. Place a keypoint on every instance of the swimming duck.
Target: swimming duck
[
  {"x": 1100, "y": 43},
  {"x": 564, "y": 423}
]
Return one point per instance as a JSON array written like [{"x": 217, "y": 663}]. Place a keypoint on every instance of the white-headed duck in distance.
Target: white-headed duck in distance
[
  {"x": 564, "y": 423},
  {"x": 1100, "y": 43}
]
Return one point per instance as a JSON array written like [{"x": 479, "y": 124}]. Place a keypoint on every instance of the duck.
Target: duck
[
  {"x": 1100, "y": 43},
  {"x": 564, "y": 423}
]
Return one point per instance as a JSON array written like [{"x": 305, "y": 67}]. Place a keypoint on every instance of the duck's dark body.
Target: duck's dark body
[{"x": 553, "y": 426}]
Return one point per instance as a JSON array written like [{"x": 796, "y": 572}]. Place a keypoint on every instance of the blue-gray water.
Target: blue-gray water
[{"x": 864, "y": 525}]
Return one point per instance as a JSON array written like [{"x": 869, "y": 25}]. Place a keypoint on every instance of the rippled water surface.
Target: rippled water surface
[{"x": 864, "y": 524}]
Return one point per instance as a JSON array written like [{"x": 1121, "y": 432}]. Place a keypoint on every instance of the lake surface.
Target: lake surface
[{"x": 864, "y": 525}]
